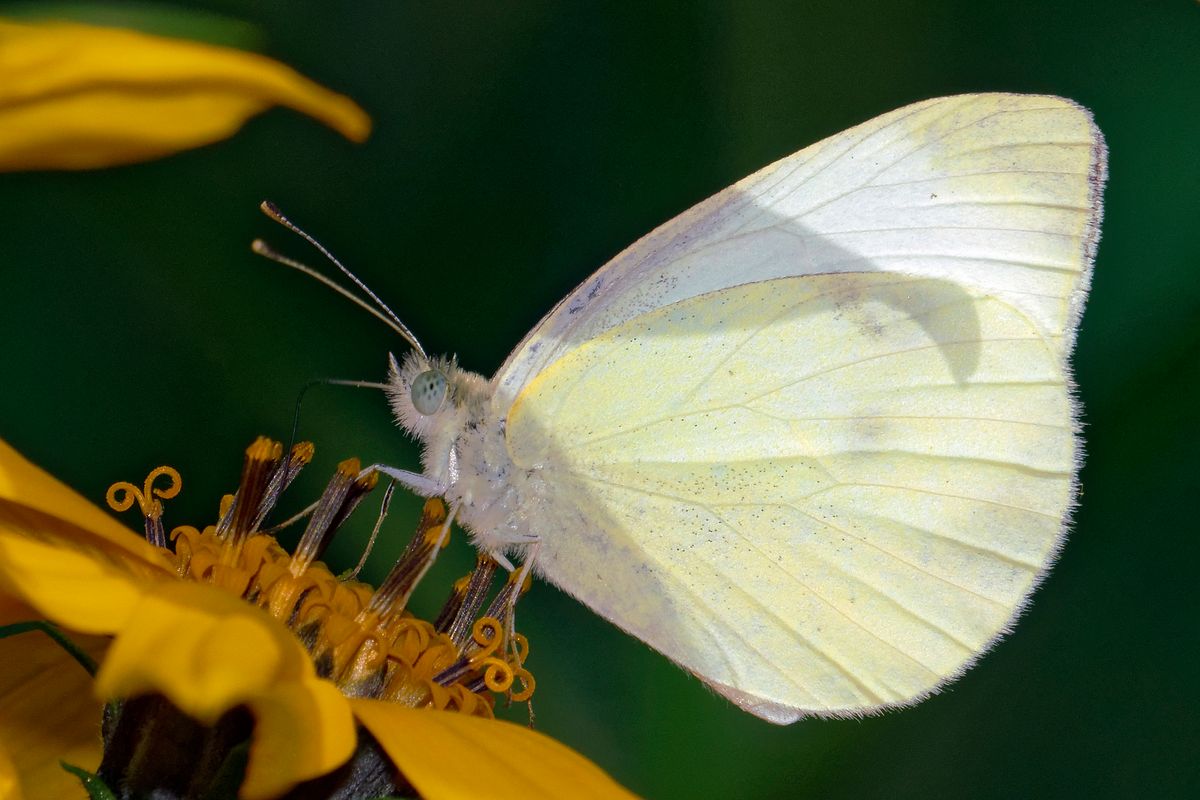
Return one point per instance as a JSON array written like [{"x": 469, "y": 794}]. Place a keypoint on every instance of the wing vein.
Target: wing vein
[
  {"x": 836, "y": 158},
  {"x": 759, "y": 603},
  {"x": 894, "y": 556},
  {"x": 932, "y": 493},
  {"x": 929, "y": 417},
  {"x": 920, "y": 146},
  {"x": 856, "y": 579},
  {"x": 953, "y": 108},
  {"x": 732, "y": 584}
]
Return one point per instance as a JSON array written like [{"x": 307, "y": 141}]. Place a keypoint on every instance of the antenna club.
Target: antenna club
[{"x": 272, "y": 211}]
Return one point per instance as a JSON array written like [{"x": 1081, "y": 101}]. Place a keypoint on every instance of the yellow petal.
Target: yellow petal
[
  {"x": 13, "y": 610},
  {"x": 208, "y": 652},
  {"x": 63, "y": 586},
  {"x": 9, "y": 786},
  {"x": 46, "y": 714},
  {"x": 302, "y": 731},
  {"x": 446, "y": 755},
  {"x": 36, "y": 503},
  {"x": 78, "y": 96}
]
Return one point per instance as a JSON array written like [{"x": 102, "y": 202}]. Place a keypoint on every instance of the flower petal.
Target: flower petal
[
  {"x": 78, "y": 96},
  {"x": 13, "y": 610},
  {"x": 39, "y": 505},
  {"x": 63, "y": 586},
  {"x": 207, "y": 652},
  {"x": 8, "y": 778},
  {"x": 445, "y": 755},
  {"x": 46, "y": 714},
  {"x": 303, "y": 730}
]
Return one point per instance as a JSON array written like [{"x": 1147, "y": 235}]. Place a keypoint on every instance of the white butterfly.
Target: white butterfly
[{"x": 813, "y": 439}]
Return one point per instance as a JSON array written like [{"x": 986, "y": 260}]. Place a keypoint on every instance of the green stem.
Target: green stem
[
  {"x": 50, "y": 629},
  {"x": 96, "y": 788}
]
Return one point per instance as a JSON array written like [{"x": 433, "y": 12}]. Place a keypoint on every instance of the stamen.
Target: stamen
[
  {"x": 122, "y": 494},
  {"x": 487, "y": 635},
  {"x": 519, "y": 651},
  {"x": 459, "y": 628},
  {"x": 528, "y": 686},
  {"x": 432, "y": 535},
  {"x": 458, "y": 593},
  {"x": 300, "y": 456},
  {"x": 262, "y": 457},
  {"x": 504, "y": 604},
  {"x": 362, "y": 486},
  {"x": 497, "y": 675},
  {"x": 344, "y": 492},
  {"x": 361, "y": 639}
]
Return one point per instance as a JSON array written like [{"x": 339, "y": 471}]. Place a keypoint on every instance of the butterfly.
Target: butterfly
[{"x": 814, "y": 439}]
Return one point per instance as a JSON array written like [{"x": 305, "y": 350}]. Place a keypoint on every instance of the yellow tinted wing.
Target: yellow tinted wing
[{"x": 821, "y": 494}]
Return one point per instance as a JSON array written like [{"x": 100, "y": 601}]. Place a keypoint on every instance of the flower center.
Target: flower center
[{"x": 362, "y": 639}]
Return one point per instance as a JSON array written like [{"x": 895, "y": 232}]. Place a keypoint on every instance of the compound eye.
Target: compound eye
[{"x": 428, "y": 391}]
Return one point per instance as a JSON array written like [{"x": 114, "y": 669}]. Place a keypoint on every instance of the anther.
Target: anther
[
  {"x": 287, "y": 470},
  {"x": 237, "y": 523},
  {"x": 459, "y": 626},
  {"x": 418, "y": 556},
  {"x": 343, "y": 493}
]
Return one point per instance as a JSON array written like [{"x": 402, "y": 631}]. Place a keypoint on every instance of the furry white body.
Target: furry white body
[{"x": 465, "y": 454}]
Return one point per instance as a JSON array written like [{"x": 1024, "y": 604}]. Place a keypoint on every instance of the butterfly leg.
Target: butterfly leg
[
  {"x": 502, "y": 560},
  {"x": 531, "y": 552},
  {"x": 418, "y": 483},
  {"x": 517, "y": 580}
]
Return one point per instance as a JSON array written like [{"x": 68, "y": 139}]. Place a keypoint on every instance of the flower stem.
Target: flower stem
[{"x": 92, "y": 784}]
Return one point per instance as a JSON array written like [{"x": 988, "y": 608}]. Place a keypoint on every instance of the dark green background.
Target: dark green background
[{"x": 515, "y": 151}]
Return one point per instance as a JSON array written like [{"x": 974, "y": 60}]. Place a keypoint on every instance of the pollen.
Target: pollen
[{"x": 363, "y": 639}]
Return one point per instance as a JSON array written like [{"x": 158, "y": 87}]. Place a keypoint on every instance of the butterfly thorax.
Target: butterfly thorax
[{"x": 463, "y": 449}]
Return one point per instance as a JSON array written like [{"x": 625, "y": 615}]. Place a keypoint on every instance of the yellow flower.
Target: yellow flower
[
  {"x": 226, "y": 653},
  {"x": 79, "y": 96}
]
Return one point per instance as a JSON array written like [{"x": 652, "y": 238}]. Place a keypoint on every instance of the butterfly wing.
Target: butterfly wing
[
  {"x": 813, "y": 439},
  {"x": 998, "y": 191}
]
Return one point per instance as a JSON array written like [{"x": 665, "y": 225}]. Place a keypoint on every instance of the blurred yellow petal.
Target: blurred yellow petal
[
  {"x": 37, "y": 504},
  {"x": 207, "y": 652},
  {"x": 8, "y": 778},
  {"x": 46, "y": 714},
  {"x": 302, "y": 731},
  {"x": 13, "y": 610},
  {"x": 450, "y": 756},
  {"x": 64, "y": 586},
  {"x": 78, "y": 96}
]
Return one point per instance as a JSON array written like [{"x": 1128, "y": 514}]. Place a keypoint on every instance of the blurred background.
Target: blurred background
[{"x": 515, "y": 150}]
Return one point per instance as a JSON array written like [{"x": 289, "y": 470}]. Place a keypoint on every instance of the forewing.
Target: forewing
[
  {"x": 998, "y": 192},
  {"x": 824, "y": 494}
]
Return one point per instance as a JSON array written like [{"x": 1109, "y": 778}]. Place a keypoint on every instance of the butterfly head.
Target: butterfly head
[{"x": 428, "y": 395}]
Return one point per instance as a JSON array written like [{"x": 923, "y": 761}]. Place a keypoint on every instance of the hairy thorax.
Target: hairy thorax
[{"x": 464, "y": 451}]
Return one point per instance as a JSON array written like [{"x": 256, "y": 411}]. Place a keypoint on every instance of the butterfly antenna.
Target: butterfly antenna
[
  {"x": 266, "y": 251},
  {"x": 380, "y": 310}
]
